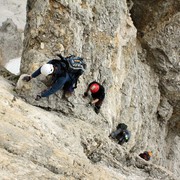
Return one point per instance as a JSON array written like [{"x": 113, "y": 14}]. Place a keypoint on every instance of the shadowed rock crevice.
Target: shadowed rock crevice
[{"x": 147, "y": 15}]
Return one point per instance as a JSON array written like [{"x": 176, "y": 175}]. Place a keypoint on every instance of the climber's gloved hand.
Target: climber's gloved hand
[
  {"x": 38, "y": 97},
  {"x": 59, "y": 55},
  {"x": 89, "y": 104},
  {"x": 85, "y": 95},
  {"x": 111, "y": 135},
  {"x": 27, "y": 78}
]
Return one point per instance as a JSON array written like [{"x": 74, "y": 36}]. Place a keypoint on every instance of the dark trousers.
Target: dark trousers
[{"x": 99, "y": 104}]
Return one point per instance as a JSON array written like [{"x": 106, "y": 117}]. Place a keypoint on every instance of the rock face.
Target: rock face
[
  {"x": 36, "y": 144},
  {"x": 148, "y": 15},
  {"x": 159, "y": 32},
  {"x": 9, "y": 9},
  {"x": 139, "y": 68},
  {"x": 10, "y": 41},
  {"x": 12, "y": 22}
]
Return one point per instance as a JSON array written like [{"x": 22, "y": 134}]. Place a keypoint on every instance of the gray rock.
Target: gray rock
[
  {"x": 10, "y": 41},
  {"x": 57, "y": 138}
]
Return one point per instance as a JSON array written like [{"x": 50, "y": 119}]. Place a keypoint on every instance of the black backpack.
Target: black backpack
[
  {"x": 74, "y": 64},
  {"x": 121, "y": 126}
]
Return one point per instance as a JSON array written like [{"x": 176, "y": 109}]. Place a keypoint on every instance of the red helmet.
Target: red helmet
[{"x": 94, "y": 87}]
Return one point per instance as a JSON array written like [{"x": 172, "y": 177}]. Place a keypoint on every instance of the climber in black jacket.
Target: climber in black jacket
[
  {"x": 60, "y": 77},
  {"x": 97, "y": 93},
  {"x": 146, "y": 155},
  {"x": 121, "y": 135}
]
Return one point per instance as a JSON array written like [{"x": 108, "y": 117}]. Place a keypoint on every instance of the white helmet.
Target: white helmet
[{"x": 47, "y": 69}]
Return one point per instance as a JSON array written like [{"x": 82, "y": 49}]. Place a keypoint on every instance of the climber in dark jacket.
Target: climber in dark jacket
[
  {"x": 146, "y": 155},
  {"x": 97, "y": 93},
  {"x": 121, "y": 135},
  {"x": 60, "y": 77}
]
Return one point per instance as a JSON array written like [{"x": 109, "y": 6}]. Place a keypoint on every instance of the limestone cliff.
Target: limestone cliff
[
  {"x": 10, "y": 42},
  {"x": 139, "y": 66}
]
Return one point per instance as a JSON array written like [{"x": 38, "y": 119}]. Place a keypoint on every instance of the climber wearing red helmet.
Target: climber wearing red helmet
[{"x": 97, "y": 93}]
